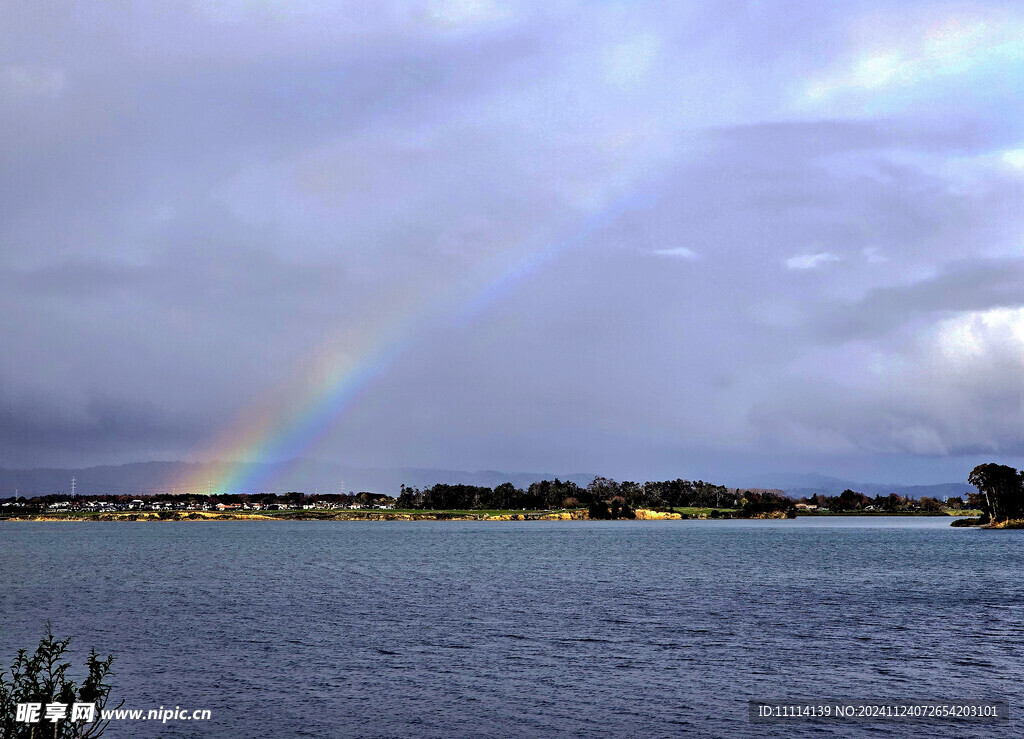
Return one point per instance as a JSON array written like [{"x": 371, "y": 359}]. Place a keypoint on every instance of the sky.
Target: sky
[{"x": 645, "y": 240}]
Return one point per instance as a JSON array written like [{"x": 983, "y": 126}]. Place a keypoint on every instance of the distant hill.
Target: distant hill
[
  {"x": 304, "y": 475},
  {"x": 940, "y": 491},
  {"x": 800, "y": 485},
  {"x": 314, "y": 476}
]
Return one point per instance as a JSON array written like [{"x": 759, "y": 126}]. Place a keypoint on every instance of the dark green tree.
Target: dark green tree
[
  {"x": 599, "y": 511},
  {"x": 850, "y": 500},
  {"x": 1001, "y": 489},
  {"x": 602, "y": 488},
  {"x": 765, "y": 501},
  {"x": 506, "y": 495}
]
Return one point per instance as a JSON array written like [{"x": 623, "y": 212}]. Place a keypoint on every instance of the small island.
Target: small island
[{"x": 1000, "y": 497}]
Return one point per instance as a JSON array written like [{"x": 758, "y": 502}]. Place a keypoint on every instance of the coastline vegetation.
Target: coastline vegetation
[{"x": 602, "y": 499}]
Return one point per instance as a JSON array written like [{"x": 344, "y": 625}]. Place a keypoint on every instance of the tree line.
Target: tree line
[
  {"x": 549, "y": 494},
  {"x": 851, "y": 500},
  {"x": 603, "y": 497}
]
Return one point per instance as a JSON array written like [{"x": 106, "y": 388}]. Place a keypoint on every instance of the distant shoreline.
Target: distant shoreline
[
  {"x": 385, "y": 515},
  {"x": 329, "y": 515}
]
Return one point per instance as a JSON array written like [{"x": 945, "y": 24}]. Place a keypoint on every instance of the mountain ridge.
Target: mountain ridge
[{"x": 316, "y": 476}]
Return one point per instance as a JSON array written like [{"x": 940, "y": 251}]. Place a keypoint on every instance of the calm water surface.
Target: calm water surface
[{"x": 524, "y": 629}]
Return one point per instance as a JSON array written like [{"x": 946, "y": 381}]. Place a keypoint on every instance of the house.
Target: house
[
  {"x": 98, "y": 505},
  {"x": 805, "y": 507}
]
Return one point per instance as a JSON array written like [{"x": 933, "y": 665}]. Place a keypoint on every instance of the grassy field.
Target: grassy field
[{"x": 696, "y": 512}]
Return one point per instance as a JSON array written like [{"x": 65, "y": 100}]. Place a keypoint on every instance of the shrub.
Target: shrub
[{"x": 42, "y": 678}]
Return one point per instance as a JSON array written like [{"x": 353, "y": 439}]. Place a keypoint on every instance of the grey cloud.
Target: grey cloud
[
  {"x": 196, "y": 207},
  {"x": 114, "y": 428},
  {"x": 960, "y": 286},
  {"x": 810, "y": 139}
]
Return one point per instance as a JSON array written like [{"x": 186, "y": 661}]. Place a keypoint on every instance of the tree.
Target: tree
[
  {"x": 42, "y": 678},
  {"x": 550, "y": 493},
  {"x": 890, "y": 502},
  {"x": 619, "y": 508},
  {"x": 409, "y": 498},
  {"x": 1001, "y": 489},
  {"x": 602, "y": 488},
  {"x": 506, "y": 495},
  {"x": 765, "y": 501},
  {"x": 709, "y": 495},
  {"x": 634, "y": 494},
  {"x": 850, "y": 500}
]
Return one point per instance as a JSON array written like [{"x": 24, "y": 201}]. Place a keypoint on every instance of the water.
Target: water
[{"x": 508, "y": 629}]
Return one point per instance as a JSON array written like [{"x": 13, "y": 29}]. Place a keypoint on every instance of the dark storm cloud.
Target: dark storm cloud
[
  {"x": 960, "y": 287},
  {"x": 28, "y": 424},
  {"x": 762, "y": 235},
  {"x": 144, "y": 133}
]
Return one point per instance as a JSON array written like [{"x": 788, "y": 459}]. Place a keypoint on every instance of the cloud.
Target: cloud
[
  {"x": 811, "y": 261},
  {"x": 873, "y": 255},
  {"x": 920, "y": 48},
  {"x": 959, "y": 287},
  {"x": 33, "y": 80},
  {"x": 455, "y": 14},
  {"x": 680, "y": 251},
  {"x": 90, "y": 427},
  {"x": 629, "y": 62},
  {"x": 951, "y": 389},
  {"x": 199, "y": 216},
  {"x": 1014, "y": 158}
]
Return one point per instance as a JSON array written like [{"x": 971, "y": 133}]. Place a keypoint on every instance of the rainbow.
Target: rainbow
[{"x": 275, "y": 437}]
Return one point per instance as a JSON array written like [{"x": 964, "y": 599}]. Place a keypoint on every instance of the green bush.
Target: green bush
[{"x": 42, "y": 678}]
